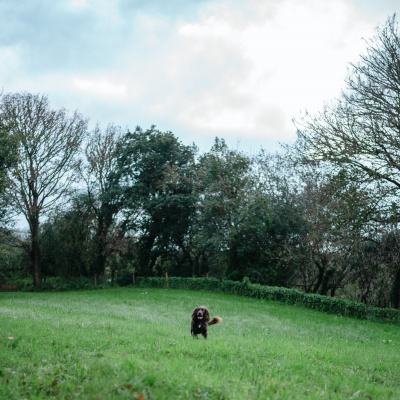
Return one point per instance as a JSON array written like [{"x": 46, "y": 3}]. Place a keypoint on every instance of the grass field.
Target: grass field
[{"x": 135, "y": 344}]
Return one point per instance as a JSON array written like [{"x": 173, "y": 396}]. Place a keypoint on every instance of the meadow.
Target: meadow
[{"x": 135, "y": 343}]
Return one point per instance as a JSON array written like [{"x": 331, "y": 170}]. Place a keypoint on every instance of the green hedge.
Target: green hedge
[
  {"x": 60, "y": 284},
  {"x": 332, "y": 305}
]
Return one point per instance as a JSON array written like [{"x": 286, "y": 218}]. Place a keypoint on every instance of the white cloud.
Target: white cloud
[
  {"x": 233, "y": 68},
  {"x": 102, "y": 88},
  {"x": 250, "y": 70},
  {"x": 78, "y": 4}
]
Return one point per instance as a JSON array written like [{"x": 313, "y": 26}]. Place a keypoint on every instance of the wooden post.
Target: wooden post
[
  {"x": 133, "y": 279},
  {"x": 166, "y": 278},
  {"x": 95, "y": 281}
]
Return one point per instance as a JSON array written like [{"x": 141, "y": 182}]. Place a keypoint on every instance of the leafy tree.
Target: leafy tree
[
  {"x": 154, "y": 171},
  {"x": 250, "y": 243},
  {"x": 12, "y": 260},
  {"x": 246, "y": 220},
  {"x": 223, "y": 180},
  {"x": 103, "y": 192},
  {"x": 48, "y": 142},
  {"x": 68, "y": 241},
  {"x": 279, "y": 186}
]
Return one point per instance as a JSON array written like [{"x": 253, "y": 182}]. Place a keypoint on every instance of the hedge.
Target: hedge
[{"x": 332, "y": 305}]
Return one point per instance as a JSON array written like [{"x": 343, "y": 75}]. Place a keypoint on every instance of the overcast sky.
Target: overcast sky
[{"x": 237, "y": 69}]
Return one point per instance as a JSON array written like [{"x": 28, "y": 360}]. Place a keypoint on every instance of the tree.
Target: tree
[
  {"x": 223, "y": 184},
  {"x": 48, "y": 142},
  {"x": 67, "y": 241},
  {"x": 245, "y": 220},
  {"x": 280, "y": 186},
  {"x": 154, "y": 171},
  {"x": 360, "y": 131},
  {"x": 334, "y": 221},
  {"x": 103, "y": 194},
  {"x": 12, "y": 260}
]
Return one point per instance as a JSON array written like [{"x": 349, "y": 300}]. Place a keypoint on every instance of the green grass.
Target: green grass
[{"x": 135, "y": 343}]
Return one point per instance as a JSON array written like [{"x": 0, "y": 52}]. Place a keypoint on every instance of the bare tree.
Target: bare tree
[
  {"x": 49, "y": 141},
  {"x": 360, "y": 132}
]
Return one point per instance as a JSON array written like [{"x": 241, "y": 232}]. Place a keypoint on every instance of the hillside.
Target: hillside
[{"x": 136, "y": 343}]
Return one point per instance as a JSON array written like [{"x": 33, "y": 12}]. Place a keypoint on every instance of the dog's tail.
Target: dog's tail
[{"x": 214, "y": 321}]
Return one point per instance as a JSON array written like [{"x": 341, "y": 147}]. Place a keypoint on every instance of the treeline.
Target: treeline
[{"x": 321, "y": 216}]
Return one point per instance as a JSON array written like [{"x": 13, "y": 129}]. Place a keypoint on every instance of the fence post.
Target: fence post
[
  {"x": 133, "y": 279},
  {"x": 95, "y": 281},
  {"x": 166, "y": 278}
]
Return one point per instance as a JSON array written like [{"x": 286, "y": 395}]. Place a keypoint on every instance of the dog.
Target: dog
[{"x": 201, "y": 321}]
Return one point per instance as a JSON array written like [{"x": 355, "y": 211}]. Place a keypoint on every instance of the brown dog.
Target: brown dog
[{"x": 201, "y": 321}]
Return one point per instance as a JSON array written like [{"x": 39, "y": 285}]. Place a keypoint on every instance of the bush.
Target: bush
[
  {"x": 61, "y": 285},
  {"x": 332, "y": 305}
]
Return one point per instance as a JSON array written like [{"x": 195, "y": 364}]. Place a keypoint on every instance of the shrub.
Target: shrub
[{"x": 332, "y": 305}]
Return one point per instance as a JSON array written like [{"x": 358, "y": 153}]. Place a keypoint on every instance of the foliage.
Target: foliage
[
  {"x": 278, "y": 188},
  {"x": 8, "y": 153},
  {"x": 67, "y": 241},
  {"x": 237, "y": 231},
  {"x": 60, "y": 284},
  {"x": 8, "y": 159},
  {"x": 154, "y": 172},
  {"x": 12, "y": 261},
  {"x": 102, "y": 193},
  {"x": 223, "y": 183}
]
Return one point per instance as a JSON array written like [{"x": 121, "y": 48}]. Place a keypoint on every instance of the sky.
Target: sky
[{"x": 237, "y": 69}]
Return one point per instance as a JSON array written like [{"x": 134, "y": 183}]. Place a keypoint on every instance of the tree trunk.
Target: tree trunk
[
  {"x": 396, "y": 290},
  {"x": 35, "y": 252},
  {"x": 112, "y": 276},
  {"x": 103, "y": 227},
  {"x": 145, "y": 257},
  {"x": 322, "y": 266},
  {"x": 326, "y": 284},
  {"x": 319, "y": 279},
  {"x": 100, "y": 257}
]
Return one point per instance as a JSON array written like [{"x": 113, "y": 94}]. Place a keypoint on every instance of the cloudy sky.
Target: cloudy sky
[{"x": 237, "y": 69}]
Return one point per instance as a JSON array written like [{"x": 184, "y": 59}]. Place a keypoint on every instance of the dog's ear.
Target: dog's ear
[
  {"x": 194, "y": 313},
  {"x": 206, "y": 315}
]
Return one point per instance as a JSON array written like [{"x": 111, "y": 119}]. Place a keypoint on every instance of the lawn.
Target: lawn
[{"x": 135, "y": 343}]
